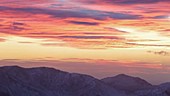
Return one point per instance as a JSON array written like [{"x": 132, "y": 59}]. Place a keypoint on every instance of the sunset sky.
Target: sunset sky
[{"x": 96, "y": 37}]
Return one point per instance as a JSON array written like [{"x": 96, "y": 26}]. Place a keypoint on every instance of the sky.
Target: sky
[{"x": 101, "y": 38}]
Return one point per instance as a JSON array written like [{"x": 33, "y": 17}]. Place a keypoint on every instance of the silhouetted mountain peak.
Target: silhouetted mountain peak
[
  {"x": 123, "y": 76},
  {"x": 10, "y": 67},
  {"x": 36, "y": 70},
  {"x": 127, "y": 83}
]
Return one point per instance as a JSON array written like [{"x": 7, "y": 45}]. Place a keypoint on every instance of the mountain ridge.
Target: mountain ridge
[{"x": 44, "y": 81}]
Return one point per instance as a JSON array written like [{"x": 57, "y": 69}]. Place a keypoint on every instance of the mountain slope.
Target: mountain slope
[
  {"x": 127, "y": 83},
  {"x": 17, "y": 81},
  {"x": 160, "y": 90}
]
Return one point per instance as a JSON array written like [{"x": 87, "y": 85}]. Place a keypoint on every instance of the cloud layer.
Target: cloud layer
[
  {"x": 94, "y": 24},
  {"x": 125, "y": 2}
]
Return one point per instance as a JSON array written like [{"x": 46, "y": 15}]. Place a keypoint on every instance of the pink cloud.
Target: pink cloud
[
  {"x": 91, "y": 24},
  {"x": 2, "y": 40}
]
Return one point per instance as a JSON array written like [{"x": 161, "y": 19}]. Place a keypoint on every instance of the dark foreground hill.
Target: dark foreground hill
[{"x": 42, "y": 81}]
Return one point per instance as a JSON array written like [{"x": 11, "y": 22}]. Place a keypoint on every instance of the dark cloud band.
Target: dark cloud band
[{"x": 81, "y": 13}]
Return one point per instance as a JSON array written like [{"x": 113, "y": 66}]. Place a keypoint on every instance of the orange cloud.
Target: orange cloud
[
  {"x": 2, "y": 40},
  {"x": 90, "y": 24}
]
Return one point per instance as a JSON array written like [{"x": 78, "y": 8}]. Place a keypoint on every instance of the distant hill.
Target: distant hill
[
  {"x": 42, "y": 81},
  {"x": 127, "y": 83}
]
